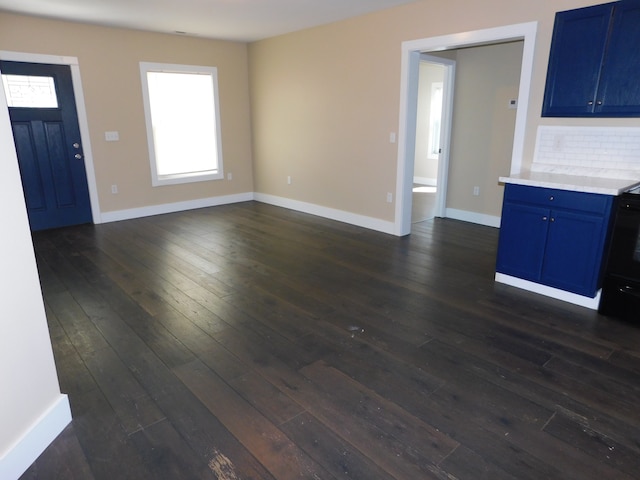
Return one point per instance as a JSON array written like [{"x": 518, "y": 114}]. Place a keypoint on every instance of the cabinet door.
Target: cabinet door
[
  {"x": 619, "y": 91},
  {"x": 574, "y": 252},
  {"x": 523, "y": 233},
  {"x": 577, "y": 52}
]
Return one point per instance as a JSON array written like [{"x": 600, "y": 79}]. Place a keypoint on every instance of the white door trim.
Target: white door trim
[
  {"x": 410, "y": 62},
  {"x": 81, "y": 111}
]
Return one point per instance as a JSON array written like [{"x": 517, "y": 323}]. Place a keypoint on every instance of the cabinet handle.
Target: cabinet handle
[
  {"x": 544, "y": 219},
  {"x": 551, "y": 198},
  {"x": 599, "y": 102},
  {"x": 553, "y": 219},
  {"x": 590, "y": 102}
]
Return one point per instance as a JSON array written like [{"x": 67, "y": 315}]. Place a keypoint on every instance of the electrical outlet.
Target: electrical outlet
[
  {"x": 229, "y": 176},
  {"x": 114, "y": 188},
  {"x": 288, "y": 179},
  {"x": 476, "y": 191},
  {"x": 389, "y": 197}
]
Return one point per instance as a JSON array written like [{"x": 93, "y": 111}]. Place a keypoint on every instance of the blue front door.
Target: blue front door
[{"x": 48, "y": 145}]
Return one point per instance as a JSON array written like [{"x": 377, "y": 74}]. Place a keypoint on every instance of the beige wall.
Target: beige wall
[
  {"x": 487, "y": 78},
  {"x": 109, "y": 65},
  {"x": 324, "y": 100},
  {"x": 323, "y": 104}
]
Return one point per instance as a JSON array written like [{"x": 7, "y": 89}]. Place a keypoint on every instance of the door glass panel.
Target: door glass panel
[{"x": 28, "y": 91}]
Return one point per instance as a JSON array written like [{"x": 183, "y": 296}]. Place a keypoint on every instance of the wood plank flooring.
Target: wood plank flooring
[{"x": 253, "y": 342}]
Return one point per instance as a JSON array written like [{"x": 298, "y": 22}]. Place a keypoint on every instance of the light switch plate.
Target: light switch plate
[{"x": 111, "y": 136}]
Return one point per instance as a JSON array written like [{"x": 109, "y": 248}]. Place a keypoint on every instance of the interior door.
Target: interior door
[
  {"x": 428, "y": 136},
  {"x": 47, "y": 139}
]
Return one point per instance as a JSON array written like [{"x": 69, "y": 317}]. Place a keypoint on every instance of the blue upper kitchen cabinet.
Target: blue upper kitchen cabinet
[
  {"x": 554, "y": 237},
  {"x": 619, "y": 89},
  {"x": 594, "y": 62}
]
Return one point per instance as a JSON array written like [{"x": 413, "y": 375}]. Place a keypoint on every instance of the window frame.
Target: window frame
[{"x": 185, "y": 177}]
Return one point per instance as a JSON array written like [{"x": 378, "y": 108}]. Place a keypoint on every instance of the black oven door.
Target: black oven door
[
  {"x": 620, "y": 298},
  {"x": 624, "y": 254},
  {"x": 621, "y": 286}
]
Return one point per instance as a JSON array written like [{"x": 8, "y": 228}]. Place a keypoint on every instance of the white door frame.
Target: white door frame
[
  {"x": 445, "y": 132},
  {"x": 81, "y": 111},
  {"x": 411, "y": 51}
]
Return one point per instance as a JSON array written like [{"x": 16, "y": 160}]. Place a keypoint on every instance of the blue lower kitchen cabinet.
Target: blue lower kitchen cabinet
[{"x": 554, "y": 237}]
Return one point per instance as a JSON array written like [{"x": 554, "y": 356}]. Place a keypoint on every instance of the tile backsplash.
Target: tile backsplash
[{"x": 598, "y": 151}]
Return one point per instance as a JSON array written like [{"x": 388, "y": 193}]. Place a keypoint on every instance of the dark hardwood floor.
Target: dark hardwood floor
[{"x": 253, "y": 342}]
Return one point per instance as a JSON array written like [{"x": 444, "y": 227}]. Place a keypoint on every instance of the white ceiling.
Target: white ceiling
[{"x": 241, "y": 20}]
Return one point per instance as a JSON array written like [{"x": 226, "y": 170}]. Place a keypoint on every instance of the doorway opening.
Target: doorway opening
[
  {"x": 83, "y": 126},
  {"x": 412, "y": 51},
  {"x": 436, "y": 79},
  {"x": 48, "y": 146}
]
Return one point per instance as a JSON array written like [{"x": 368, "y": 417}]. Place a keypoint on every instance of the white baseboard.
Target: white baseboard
[
  {"x": 330, "y": 213},
  {"x": 26, "y": 450},
  {"x": 115, "y": 216},
  {"x": 432, "y": 182},
  {"x": 569, "y": 297},
  {"x": 473, "y": 217},
  {"x": 310, "y": 208}
]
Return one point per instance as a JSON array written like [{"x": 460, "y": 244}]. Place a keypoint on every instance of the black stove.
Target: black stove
[
  {"x": 621, "y": 284},
  {"x": 633, "y": 191}
]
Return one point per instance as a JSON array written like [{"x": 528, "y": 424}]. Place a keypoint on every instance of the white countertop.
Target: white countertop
[{"x": 577, "y": 183}]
